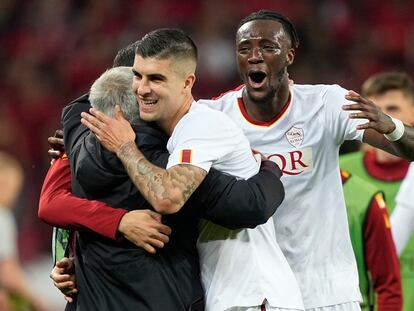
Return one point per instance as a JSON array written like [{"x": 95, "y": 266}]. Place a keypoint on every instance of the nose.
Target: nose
[
  {"x": 256, "y": 55},
  {"x": 143, "y": 87}
]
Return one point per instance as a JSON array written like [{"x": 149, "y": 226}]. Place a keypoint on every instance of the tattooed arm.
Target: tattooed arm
[{"x": 166, "y": 190}]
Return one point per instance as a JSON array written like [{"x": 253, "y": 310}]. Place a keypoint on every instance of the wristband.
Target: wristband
[{"x": 398, "y": 132}]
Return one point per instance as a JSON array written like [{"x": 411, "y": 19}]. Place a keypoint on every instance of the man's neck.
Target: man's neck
[
  {"x": 266, "y": 110},
  {"x": 169, "y": 125}
]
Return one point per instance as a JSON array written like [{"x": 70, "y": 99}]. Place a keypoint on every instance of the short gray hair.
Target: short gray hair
[{"x": 114, "y": 87}]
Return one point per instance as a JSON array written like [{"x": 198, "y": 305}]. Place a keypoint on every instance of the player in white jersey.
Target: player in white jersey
[
  {"x": 314, "y": 237},
  {"x": 301, "y": 127},
  {"x": 402, "y": 217},
  {"x": 241, "y": 269}
]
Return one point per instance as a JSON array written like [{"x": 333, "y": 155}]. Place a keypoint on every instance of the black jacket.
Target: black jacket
[{"x": 117, "y": 275}]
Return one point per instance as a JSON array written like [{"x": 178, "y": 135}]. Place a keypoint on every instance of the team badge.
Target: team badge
[
  {"x": 295, "y": 136},
  {"x": 186, "y": 156}
]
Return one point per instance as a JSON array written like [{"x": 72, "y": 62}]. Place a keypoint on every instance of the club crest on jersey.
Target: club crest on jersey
[{"x": 295, "y": 136}]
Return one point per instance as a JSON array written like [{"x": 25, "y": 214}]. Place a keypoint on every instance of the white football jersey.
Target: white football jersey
[
  {"x": 239, "y": 268},
  {"x": 311, "y": 224}
]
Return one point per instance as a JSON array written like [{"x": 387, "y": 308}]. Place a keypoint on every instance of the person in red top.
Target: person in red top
[{"x": 56, "y": 199}]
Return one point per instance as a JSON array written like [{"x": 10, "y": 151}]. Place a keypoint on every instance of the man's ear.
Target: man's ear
[
  {"x": 290, "y": 57},
  {"x": 189, "y": 81}
]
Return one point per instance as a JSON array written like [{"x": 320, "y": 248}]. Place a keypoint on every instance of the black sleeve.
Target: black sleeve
[
  {"x": 73, "y": 129},
  {"x": 234, "y": 203}
]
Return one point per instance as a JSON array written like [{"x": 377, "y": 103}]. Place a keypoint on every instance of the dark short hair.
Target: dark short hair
[
  {"x": 165, "y": 43},
  {"x": 125, "y": 56},
  {"x": 271, "y": 15},
  {"x": 383, "y": 82}
]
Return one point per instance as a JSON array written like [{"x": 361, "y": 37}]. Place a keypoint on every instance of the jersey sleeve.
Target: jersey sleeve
[
  {"x": 59, "y": 207},
  {"x": 381, "y": 257},
  {"x": 337, "y": 120},
  {"x": 201, "y": 138}
]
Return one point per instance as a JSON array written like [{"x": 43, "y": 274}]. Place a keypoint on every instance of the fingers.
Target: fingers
[
  {"x": 54, "y": 154},
  {"x": 361, "y": 103},
  {"x": 364, "y": 115},
  {"x": 65, "y": 263},
  {"x": 90, "y": 122},
  {"x": 144, "y": 229},
  {"x": 118, "y": 112},
  {"x": 164, "y": 229},
  {"x": 68, "y": 299},
  {"x": 148, "y": 248},
  {"x": 366, "y": 106},
  {"x": 352, "y": 93},
  {"x": 59, "y": 133},
  {"x": 160, "y": 236},
  {"x": 160, "y": 227},
  {"x": 155, "y": 215},
  {"x": 59, "y": 276},
  {"x": 69, "y": 293},
  {"x": 62, "y": 280},
  {"x": 151, "y": 244},
  {"x": 100, "y": 116},
  {"x": 366, "y": 126},
  {"x": 157, "y": 236},
  {"x": 56, "y": 145},
  {"x": 66, "y": 287},
  {"x": 152, "y": 239},
  {"x": 157, "y": 243},
  {"x": 65, "y": 283},
  {"x": 55, "y": 142},
  {"x": 354, "y": 96}
]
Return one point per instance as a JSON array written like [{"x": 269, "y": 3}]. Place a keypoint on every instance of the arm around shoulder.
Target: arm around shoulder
[
  {"x": 59, "y": 207},
  {"x": 236, "y": 204},
  {"x": 166, "y": 190}
]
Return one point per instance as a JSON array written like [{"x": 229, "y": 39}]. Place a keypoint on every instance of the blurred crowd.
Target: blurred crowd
[{"x": 51, "y": 51}]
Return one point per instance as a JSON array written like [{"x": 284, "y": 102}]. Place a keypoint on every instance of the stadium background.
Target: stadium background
[{"x": 52, "y": 50}]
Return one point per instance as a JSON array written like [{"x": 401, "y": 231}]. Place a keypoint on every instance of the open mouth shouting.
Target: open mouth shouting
[{"x": 256, "y": 79}]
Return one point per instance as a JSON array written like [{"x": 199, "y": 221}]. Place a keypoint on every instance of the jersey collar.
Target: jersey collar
[{"x": 276, "y": 118}]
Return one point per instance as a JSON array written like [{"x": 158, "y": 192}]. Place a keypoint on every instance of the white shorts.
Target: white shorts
[{"x": 348, "y": 306}]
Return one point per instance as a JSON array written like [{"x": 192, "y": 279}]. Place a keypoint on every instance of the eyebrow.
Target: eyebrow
[
  {"x": 244, "y": 41},
  {"x": 157, "y": 76},
  {"x": 154, "y": 76}
]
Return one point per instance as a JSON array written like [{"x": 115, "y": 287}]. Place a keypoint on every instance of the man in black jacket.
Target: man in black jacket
[{"x": 118, "y": 275}]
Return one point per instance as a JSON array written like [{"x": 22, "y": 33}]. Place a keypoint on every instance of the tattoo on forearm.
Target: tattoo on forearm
[{"x": 165, "y": 190}]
